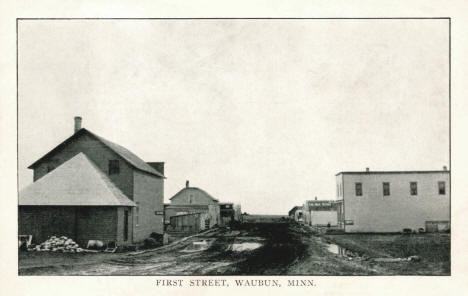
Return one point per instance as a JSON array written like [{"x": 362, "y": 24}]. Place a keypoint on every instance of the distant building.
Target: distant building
[
  {"x": 237, "y": 212},
  {"x": 293, "y": 211},
  {"x": 390, "y": 201},
  {"x": 192, "y": 200},
  {"x": 227, "y": 213},
  {"x": 323, "y": 213},
  {"x": 247, "y": 218},
  {"x": 90, "y": 188},
  {"x": 296, "y": 214}
]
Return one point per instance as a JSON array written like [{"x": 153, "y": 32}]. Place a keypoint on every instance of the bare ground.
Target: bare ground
[{"x": 276, "y": 249}]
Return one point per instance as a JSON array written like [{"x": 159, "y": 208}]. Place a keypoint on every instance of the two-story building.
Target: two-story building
[
  {"x": 390, "y": 201},
  {"x": 90, "y": 188},
  {"x": 193, "y": 200}
]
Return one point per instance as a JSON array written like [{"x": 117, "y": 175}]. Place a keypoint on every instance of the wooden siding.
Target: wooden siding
[
  {"x": 79, "y": 223},
  {"x": 374, "y": 212},
  {"x": 212, "y": 211},
  {"x": 120, "y": 226},
  {"x": 149, "y": 194},
  {"x": 191, "y": 223}
]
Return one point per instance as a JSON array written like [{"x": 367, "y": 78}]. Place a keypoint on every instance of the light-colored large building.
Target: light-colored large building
[{"x": 390, "y": 201}]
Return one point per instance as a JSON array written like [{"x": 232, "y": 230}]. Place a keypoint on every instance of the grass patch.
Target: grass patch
[{"x": 433, "y": 248}]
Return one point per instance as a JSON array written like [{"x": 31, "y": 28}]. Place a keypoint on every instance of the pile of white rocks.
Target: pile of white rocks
[{"x": 59, "y": 244}]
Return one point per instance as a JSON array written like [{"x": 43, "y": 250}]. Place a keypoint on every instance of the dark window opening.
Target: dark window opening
[
  {"x": 125, "y": 234},
  {"x": 386, "y": 188},
  {"x": 137, "y": 213},
  {"x": 114, "y": 168},
  {"x": 442, "y": 188},
  {"x": 358, "y": 189},
  {"x": 414, "y": 188}
]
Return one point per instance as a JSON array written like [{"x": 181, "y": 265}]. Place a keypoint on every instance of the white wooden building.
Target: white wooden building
[{"x": 390, "y": 201}]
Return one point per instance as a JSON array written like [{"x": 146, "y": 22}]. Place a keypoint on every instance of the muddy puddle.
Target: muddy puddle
[
  {"x": 335, "y": 249},
  {"x": 197, "y": 246},
  {"x": 244, "y": 246}
]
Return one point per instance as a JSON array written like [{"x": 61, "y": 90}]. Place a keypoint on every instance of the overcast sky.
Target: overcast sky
[{"x": 258, "y": 112}]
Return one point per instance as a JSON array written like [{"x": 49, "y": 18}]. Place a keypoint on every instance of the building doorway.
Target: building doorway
[{"x": 125, "y": 225}]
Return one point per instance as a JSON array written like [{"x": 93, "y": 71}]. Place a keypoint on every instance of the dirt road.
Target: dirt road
[{"x": 253, "y": 249}]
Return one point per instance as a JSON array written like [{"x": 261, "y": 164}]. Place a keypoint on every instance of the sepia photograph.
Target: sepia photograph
[{"x": 234, "y": 146}]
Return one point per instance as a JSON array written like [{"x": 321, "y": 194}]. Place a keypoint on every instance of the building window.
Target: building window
[
  {"x": 442, "y": 188},
  {"x": 114, "y": 168},
  {"x": 337, "y": 190},
  {"x": 358, "y": 189},
  {"x": 414, "y": 188},
  {"x": 386, "y": 188}
]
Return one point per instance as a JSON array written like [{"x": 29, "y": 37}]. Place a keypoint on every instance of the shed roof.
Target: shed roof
[
  {"x": 77, "y": 182},
  {"x": 126, "y": 154}
]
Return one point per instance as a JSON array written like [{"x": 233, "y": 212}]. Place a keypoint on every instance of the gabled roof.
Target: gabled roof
[
  {"x": 126, "y": 154},
  {"x": 296, "y": 208},
  {"x": 77, "y": 182},
  {"x": 196, "y": 189}
]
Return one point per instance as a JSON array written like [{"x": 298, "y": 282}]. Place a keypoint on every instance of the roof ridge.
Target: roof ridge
[
  {"x": 143, "y": 166},
  {"x": 130, "y": 157},
  {"x": 196, "y": 188}
]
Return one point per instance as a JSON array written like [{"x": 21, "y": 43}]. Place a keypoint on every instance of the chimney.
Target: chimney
[
  {"x": 445, "y": 167},
  {"x": 367, "y": 169},
  {"x": 77, "y": 123},
  {"x": 187, "y": 184},
  {"x": 316, "y": 198}
]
